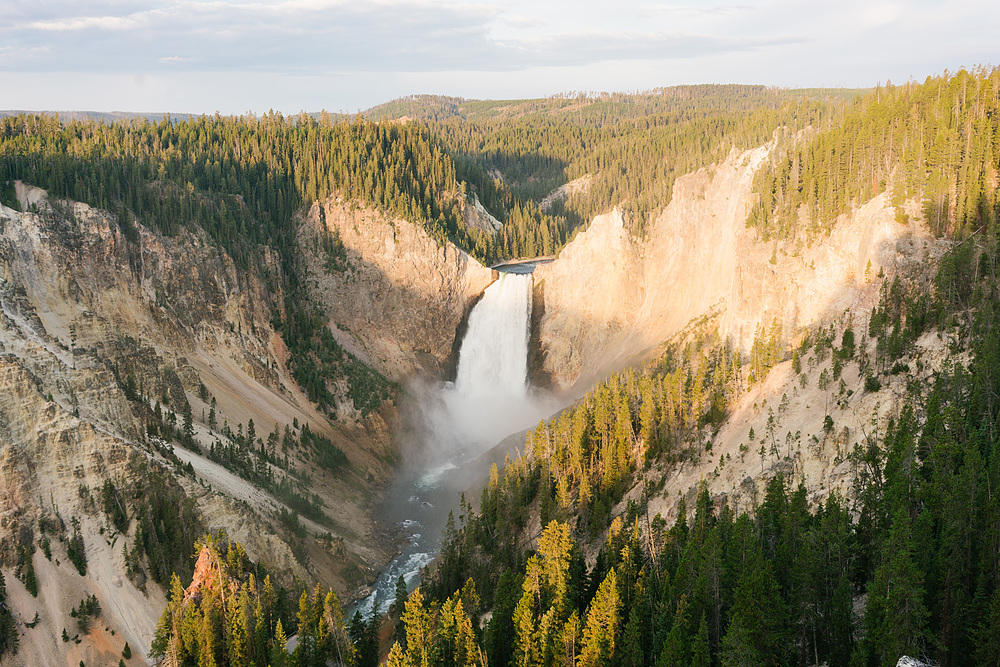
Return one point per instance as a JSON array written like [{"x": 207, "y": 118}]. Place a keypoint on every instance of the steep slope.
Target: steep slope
[
  {"x": 396, "y": 295},
  {"x": 803, "y": 425},
  {"x": 609, "y": 298},
  {"x": 592, "y": 293},
  {"x": 95, "y": 329},
  {"x": 703, "y": 275}
]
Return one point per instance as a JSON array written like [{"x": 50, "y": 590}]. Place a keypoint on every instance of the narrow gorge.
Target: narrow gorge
[{"x": 456, "y": 422}]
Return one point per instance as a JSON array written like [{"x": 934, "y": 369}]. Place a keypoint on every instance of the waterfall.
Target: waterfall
[
  {"x": 454, "y": 422},
  {"x": 489, "y": 398},
  {"x": 494, "y": 353}
]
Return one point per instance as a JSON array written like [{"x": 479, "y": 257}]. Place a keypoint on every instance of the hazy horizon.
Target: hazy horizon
[
  {"x": 149, "y": 113},
  {"x": 195, "y": 56}
]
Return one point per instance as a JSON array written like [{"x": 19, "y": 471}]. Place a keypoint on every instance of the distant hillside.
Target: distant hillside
[
  {"x": 97, "y": 116},
  {"x": 417, "y": 107},
  {"x": 629, "y": 147},
  {"x": 598, "y": 105}
]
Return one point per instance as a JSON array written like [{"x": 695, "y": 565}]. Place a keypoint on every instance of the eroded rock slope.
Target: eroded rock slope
[
  {"x": 97, "y": 326},
  {"x": 609, "y": 298}
]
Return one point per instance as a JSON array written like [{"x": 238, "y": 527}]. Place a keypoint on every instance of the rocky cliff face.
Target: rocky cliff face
[
  {"x": 398, "y": 298},
  {"x": 701, "y": 274},
  {"x": 81, "y": 307},
  {"x": 610, "y": 298},
  {"x": 592, "y": 294}
]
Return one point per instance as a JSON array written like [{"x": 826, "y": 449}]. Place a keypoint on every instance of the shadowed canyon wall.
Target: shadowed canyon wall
[{"x": 400, "y": 295}]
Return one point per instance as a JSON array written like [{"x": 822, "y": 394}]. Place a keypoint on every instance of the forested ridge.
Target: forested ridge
[
  {"x": 936, "y": 141},
  {"x": 241, "y": 179},
  {"x": 514, "y": 153},
  {"x": 915, "y": 546}
]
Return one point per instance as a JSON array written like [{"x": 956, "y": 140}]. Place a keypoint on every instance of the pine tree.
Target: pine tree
[
  {"x": 525, "y": 645},
  {"x": 305, "y": 650},
  {"x": 700, "y": 649},
  {"x": 987, "y": 634},
  {"x": 420, "y": 635},
  {"x": 188, "y": 424},
  {"x": 336, "y": 631},
  {"x": 396, "y": 657},
  {"x": 756, "y": 633},
  {"x": 632, "y": 651},
  {"x": 895, "y": 616},
  {"x": 238, "y": 633},
  {"x": 166, "y": 636},
  {"x": 279, "y": 655},
  {"x": 8, "y": 626},
  {"x": 598, "y": 646},
  {"x": 674, "y": 651}
]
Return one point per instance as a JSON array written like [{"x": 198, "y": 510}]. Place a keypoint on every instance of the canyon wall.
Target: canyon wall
[
  {"x": 609, "y": 299},
  {"x": 397, "y": 297},
  {"x": 86, "y": 309}
]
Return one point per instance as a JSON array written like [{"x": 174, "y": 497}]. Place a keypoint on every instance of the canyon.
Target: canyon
[{"x": 80, "y": 306}]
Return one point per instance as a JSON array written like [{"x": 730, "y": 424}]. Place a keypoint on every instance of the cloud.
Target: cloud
[
  {"x": 695, "y": 10},
  {"x": 590, "y": 47},
  {"x": 332, "y": 36},
  {"x": 372, "y": 50},
  {"x": 878, "y": 15},
  {"x": 84, "y": 23}
]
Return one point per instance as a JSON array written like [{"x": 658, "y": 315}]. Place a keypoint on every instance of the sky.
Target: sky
[{"x": 203, "y": 56}]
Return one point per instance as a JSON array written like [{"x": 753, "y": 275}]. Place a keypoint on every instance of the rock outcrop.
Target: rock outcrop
[
  {"x": 610, "y": 298},
  {"x": 401, "y": 295},
  {"x": 593, "y": 292},
  {"x": 477, "y": 217}
]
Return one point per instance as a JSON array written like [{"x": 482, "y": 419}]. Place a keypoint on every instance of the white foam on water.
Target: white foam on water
[
  {"x": 430, "y": 479},
  {"x": 493, "y": 360}
]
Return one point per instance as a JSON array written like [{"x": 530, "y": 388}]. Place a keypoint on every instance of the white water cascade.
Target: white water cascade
[
  {"x": 490, "y": 392},
  {"x": 458, "y": 421},
  {"x": 494, "y": 354}
]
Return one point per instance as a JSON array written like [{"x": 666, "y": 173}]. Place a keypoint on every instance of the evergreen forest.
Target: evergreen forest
[{"x": 906, "y": 563}]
